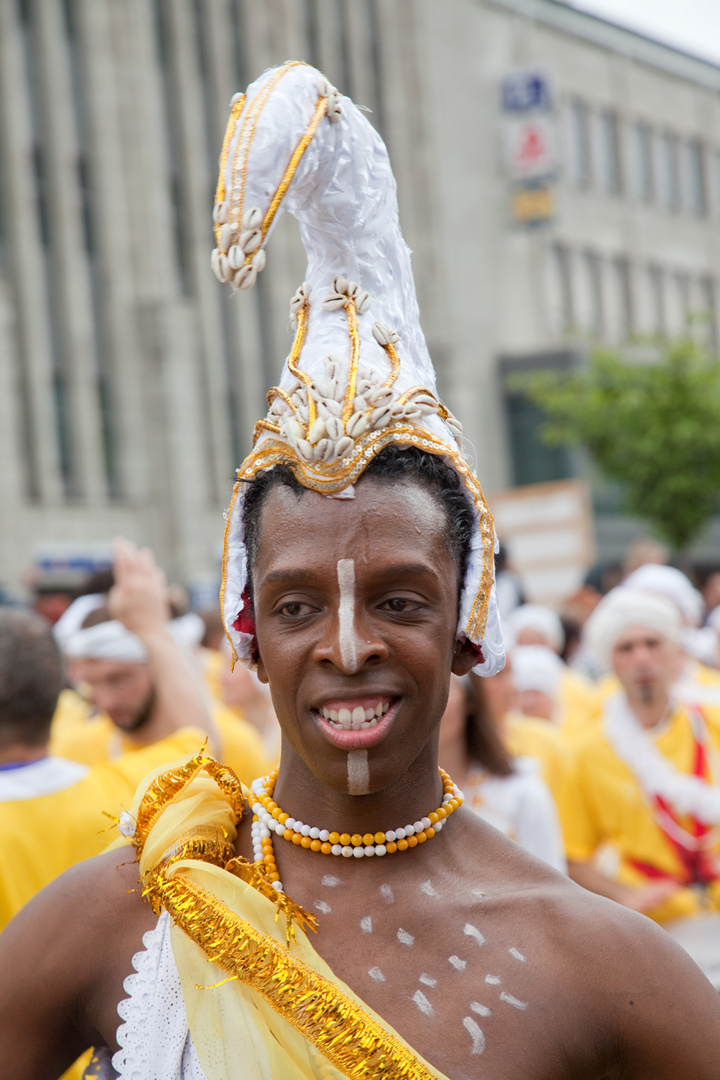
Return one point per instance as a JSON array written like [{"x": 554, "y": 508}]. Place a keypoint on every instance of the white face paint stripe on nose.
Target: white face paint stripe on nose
[{"x": 346, "y": 613}]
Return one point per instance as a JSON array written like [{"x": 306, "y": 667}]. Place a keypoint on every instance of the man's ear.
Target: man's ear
[
  {"x": 465, "y": 657},
  {"x": 260, "y": 670}
]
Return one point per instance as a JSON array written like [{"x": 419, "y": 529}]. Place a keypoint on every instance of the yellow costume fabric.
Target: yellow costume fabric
[
  {"x": 96, "y": 739},
  {"x": 267, "y": 1005},
  {"x": 42, "y": 837},
  {"x": 607, "y": 819},
  {"x": 526, "y": 736},
  {"x": 576, "y": 702}
]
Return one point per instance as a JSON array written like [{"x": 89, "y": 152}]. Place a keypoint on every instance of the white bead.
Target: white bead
[
  {"x": 409, "y": 830},
  {"x": 400, "y": 834},
  {"x": 380, "y": 849},
  {"x": 347, "y": 852},
  {"x": 306, "y": 830},
  {"x": 280, "y": 829},
  {"x": 291, "y": 823},
  {"x": 369, "y": 849},
  {"x": 324, "y": 835},
  {"x": 391, "y": 836},
  {"x": 314, "y": 834},
  {"x": 358, "y": 852},
  {"x": 277, "y": 885},
  {"x": 426, "y": 823},
  {"x": 439, "y": 826},
  {"x": 336, "y": 849},
  {"x": 417, "y": 826}
]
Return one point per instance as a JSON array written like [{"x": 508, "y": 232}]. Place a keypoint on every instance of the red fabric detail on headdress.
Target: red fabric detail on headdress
[{"x": 245, "y": 622}]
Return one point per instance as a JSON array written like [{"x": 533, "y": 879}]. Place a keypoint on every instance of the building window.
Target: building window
[
  {"x": 623, "y": 291},
  {"x": 644, "y": 162},
  {"x": 579, "y": 138},
  {"x": 610, "y": 152},
  {"x": 532, "y": 460},
  {"x": 697, "y": 201},
  {"x": 657, "y": 295},
  {"x": 709, "y": 311},
  {"x": 682, "y": 290},
  {"x": 596, "y": 313},
  {"x": 669, "y": 171},
  {"x": 563, "y": 286}
]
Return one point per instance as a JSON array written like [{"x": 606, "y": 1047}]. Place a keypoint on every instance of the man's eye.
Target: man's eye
[
  {"x": 295, "y": 609},
  {"x": 399, "y": 605}
]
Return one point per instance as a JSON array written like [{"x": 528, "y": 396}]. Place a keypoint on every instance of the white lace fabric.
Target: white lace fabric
[{"x": 154, "y": 1037}]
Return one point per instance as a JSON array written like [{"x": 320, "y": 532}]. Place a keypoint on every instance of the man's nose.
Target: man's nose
[{"x": 349, "y": 647}]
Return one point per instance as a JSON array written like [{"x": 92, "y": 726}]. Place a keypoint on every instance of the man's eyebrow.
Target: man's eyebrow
[
  {"x": 302, "y": 575},
  {"x": 296, "y": 575}
]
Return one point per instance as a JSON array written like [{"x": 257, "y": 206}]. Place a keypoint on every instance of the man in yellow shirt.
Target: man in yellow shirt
[
  {"x": 641, "y": 807},
  {"x": 133, "y": 700}
]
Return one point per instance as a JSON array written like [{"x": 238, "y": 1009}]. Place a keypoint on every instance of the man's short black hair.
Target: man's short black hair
[
  {"x": 393, "y": 465},
  {"x": 31, "y": 678}
]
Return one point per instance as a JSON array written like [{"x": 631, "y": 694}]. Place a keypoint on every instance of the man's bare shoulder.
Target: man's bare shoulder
[{"x": 63, "y": 960}]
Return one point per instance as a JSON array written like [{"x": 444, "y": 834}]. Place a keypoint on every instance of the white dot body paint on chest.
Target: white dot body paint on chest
[
  {"x": 387, "y": 894},
  {"x": 473, "y": 932},
  {"x": 515, "y": 1002},
  {"x": 517, "y": 954},
  {"x": 331, "y": 881},
  {"x": 366, "y": 924},
  {"x": 457, "y": 963},
  {"x": 376, "y": 974},
  {"x": 405, "y": 938},
  {"x": 322, "y": 907},
  {"x": 422, "y": 1003},
  {"x": 474, "y": 1031}
]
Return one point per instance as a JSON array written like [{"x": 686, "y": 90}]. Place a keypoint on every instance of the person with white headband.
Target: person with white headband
[
  {"x": 573, "y": 698},
  {"x": 414, "y": 940},
  {"x": 141, "y": 685},
  {"x": 641, "y": 810}
]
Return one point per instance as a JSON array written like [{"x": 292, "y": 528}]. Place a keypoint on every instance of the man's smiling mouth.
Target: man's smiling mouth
[{"x": 354, "y": 715}]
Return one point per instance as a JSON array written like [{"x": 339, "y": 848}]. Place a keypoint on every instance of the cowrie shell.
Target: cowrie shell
[
  {"x": 318, "y": 431},
  {"x": 340, "y": 283},
  {"x": 245, "y": 277},
  {"x": 344, "y": 446},
  {"x": 380, "y": 418},
  {"x": 356, "y": 425},
  {"x": 252, "y": 217},
  {"x": 220, "y": 213},
  {"x": 250, "y": 240},
  {"x": 304, "y": 449},
  {"x": 236, "y": 257},
  {"x": 334, "y": 428},
  {"x": 362, "y": 302},
  {"x": 259, "y": 259},
  {"x": 227, "y": 235},
  {"x": 333, "y": 303}
]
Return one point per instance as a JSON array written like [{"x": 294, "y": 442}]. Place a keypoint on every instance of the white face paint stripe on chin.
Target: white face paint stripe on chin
[
  {"x": 358, "y": 772},
  {"x": 346, "y": 613}
]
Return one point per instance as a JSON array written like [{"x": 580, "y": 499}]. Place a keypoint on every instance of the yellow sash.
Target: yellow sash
[{"x": 260, "y": 1002}]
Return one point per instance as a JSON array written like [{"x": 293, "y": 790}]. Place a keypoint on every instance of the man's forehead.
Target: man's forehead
[{"x": 635, "y": 634}]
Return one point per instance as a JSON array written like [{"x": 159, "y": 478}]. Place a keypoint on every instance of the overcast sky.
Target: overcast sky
[{"x": 691, "y": 25}]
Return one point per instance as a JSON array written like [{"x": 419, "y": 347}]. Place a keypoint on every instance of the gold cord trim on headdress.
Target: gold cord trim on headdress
[
  {"x": 235, "y": 112},
  {"x": 302, "y": 320},
  {"x": 320, "y": 111},
  {"x": 351, "y": 1040},
  {"x": 395, "y": 361},
  {"x": 351, "y": 312}
]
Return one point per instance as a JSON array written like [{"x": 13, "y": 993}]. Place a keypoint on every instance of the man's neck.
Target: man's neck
[
  {"x": 650, "y": 713},
  {"x": 21, "y": 753}
]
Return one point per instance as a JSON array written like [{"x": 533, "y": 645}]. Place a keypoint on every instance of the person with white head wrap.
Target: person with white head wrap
[
  {"x": 358, "y": 575},
  {"x": 641, "y": 809},
  {"x": 573, "y": 697},
  {"x": 697, "y": 681},
  {"x": 140, "y": 670},
  {"x": 537, "y": 673}
]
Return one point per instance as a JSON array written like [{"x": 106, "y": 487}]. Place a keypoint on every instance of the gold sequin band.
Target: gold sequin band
[{"x": 351, "y": 1040}]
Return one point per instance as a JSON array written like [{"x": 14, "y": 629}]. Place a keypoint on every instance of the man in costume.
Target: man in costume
[
  {"x": 132, "y": 702},
  {"x": 641, "y": 808},
  {"x": 414, "y": 941}
]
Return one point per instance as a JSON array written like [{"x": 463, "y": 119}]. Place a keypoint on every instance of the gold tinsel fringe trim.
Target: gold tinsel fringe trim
[{"x": 337, "y": 1026}]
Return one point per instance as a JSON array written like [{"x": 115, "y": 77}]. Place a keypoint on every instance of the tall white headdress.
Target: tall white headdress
[{"x": 359, "y": 375}]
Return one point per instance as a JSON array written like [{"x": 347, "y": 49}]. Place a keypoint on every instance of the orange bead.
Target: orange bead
[
  {"x": 326, "y": 848},
  {"x": 315, "y": 845},
  {"x": 430, "y": 832},
  {"x": 379, "y": 838},
  {"x": 368, "y": 838},
  {"x": 421, "y": 837},
  {"x": 356, "y": 839},
  {"x": 392, "y": 847},
  {"x": 441, "y": 813},
  {"x": 344, "y": 839},
  {"x": 297, "y": 838},
  {"x": 274, "y": 876},
  {"x": 412, "y": 841},
  {"x": 433, "y": 818},
  {"x": 288, "y": 834},
  {"x": 334, "y": 838},
  {"x": 283, "y": 818},
  {"x": 305, "y": 841},
  {"x": 402, "y": 845},
  {"x": 276, "y": 813}
]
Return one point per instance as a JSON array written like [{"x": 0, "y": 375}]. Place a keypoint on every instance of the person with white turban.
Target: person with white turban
[
  {"x": 641, "y": 809},
  {"x": 537, "y": 674},
  {"x": 697, "y": 680},
  {"x": 574, "y": 696},
  {"x": 141, "y": 684}
]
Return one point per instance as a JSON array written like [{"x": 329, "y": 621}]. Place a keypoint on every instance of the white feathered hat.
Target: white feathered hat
[{"x": 359, "y": 375}]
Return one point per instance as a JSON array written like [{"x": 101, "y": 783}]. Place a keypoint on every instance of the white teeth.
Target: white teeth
[
  {"x": 369, "y": 713},
  {"x": 344, "y": 717},
  {"x": 358, "y": 717},
  {"x": 379, "y": 709},
  {"x": 331, "y": 714}
]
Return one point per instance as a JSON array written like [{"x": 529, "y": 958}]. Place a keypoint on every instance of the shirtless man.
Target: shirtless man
[
  {"x": 486, "y": 961},
  {"x": 357, "y": 578}
]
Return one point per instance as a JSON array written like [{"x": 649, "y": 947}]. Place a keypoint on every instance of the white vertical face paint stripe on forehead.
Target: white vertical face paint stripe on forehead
[{"x": 346, "y": 614}]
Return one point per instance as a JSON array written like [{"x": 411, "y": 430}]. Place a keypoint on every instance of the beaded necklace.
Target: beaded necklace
[{"x": 268, "y": 818}]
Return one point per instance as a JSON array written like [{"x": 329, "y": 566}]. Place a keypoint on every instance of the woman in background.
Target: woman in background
[{"x": 507, "y": 792}]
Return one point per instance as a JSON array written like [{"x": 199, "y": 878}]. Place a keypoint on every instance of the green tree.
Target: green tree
[{"x": 652, "y": 426}]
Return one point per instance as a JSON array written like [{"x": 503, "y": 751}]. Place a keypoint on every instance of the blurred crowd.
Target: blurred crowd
[{"x": 596, "y": 747}]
